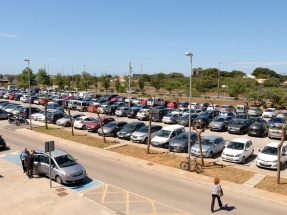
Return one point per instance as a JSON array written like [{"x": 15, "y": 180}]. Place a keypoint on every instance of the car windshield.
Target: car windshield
[
  {"x": 169, "y": 115},
  {"x": 65, "y": 161},
  {"x": 143, "y": 129},
  {"x": 237, "y": 123},
  {"x": 276, "y": 120},
  {"x": 206, "y": 142},
  {"x": 41, "y": 112},
  {"x": 67, "y": 116},
  {"x": 182, "y": 137},
  {"x": 219, "y": 119},
  {"x": 164, "y": 133},
  {"x": 185, "y": 116},
  {"x": 268, "y": 110},
  {"x": 241, "y": 116},
  {"x": 129, "y": 127},
  {"x": 235, "y": 145},
  {"x": 205, "y": 112},
  {"x": 269, "y": 150},
  {"x": 252, "y": 108}
]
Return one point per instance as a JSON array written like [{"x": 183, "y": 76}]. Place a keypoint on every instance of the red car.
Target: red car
[
  {"x": 172, "y": 104},
  {"x": 143, "y": 101},
  {"x": 11, "y": 97},
  {"x": 114, "y": 99},
  {"x": 94, "y": 126}
]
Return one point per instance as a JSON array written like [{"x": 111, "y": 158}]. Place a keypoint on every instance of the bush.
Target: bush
[{"x": 102, "y": 90}]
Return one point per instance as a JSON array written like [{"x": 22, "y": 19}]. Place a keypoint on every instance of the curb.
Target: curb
[{"x": 174, "y": 172}]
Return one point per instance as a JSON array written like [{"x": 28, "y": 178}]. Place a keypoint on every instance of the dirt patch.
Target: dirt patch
[
  {"x": 80, "y": 138},
  {"x": 269, "y": 184}
]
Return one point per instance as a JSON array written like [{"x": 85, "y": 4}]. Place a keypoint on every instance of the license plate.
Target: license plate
[
  {"x": 231, "y": 130},
  {"x": 155, "y": 143},
  {"x": 120, "y": 135},
  {"x": 228, "y": 158},
  {"x": 252, "y": 132}
]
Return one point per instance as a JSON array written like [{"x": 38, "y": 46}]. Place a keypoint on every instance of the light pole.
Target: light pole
[
  {"x": 218, "y": 81},
  {"x": 85, "y": 68},
  {"x": 190, "y": 95},
  {"x": 29, "y": 91},
  {"x": 130, "y": 71}
]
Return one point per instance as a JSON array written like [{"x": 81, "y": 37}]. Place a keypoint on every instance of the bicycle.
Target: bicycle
[{"x": 186, "y": 165}]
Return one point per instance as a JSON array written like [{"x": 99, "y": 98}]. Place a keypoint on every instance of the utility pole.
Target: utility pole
[
  {"x": 218, "y": 80},
  {"x": 85, "y": 68},
  {"x": 141, "y": 68},
  {"x": 130, "y": 70}
]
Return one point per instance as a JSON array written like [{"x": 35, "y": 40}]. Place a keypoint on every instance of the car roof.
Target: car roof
[
  {"x": 240, "y": 140},
  {"x": 274, "y": 144},
  {"x": 212, "y": 137},
  {"x": 172, "y": 127},
  {"x": 135, "y": 123},
  {"x": 55, "y": 153}
]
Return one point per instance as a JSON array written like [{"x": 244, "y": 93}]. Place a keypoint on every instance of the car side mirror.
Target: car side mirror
[{"x": 259, "y": 150}]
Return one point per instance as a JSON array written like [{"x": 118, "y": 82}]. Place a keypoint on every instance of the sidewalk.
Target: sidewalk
[
  {"x": 190, "y": 176},
  {"x": 34, "y": 196}
]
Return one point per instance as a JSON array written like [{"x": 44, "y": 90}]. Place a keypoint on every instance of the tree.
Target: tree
[
  {"x": 272, "y": 82},
  {"x": 117, "y": 85},
  {"x": 85, "y": 81},
  {"x": 264, "y": 71},
  {"x": 10, "y": 78},
  {"x": 156, "y": 82},
  {"x": 60, "y": 81},
  {"x": 67, "y": 81},
  {"x": 141, "y": 84},
  {"x": 43, "y": 77},
  {"x": 236, "y": 86},
  {"x": 105, "y": 81},
  {"x": 95, "y": 81},
  {"x": 77, "y": 79},
  {"x": 171, "y": 85},
  {"x": 24, "y": 77}
]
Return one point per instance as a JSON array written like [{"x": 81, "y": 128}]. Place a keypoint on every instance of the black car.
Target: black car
[
  {"x": 128, "y": 129},
  {"x": 184, "y": 120},
  {"x": 180, "y": 142},
  {"x": 110, "y": 110},
  {"x": 259, "y": 119},
  {"x": 239, "y": 126},
  {"x": 17, "y": 97},
  {"x": 2, "y": 143},
  {"x": 257, "y": 129},
  {"x": 32, "y": 99},
  {"x": 112, "y": 128},
  {"x": 157, "y": 115},
  {"x": 209, "y": 113},
  {"x": 203, "y": 106},
  {"x": 201, "y": 121},
  {"x": 158, "y": 108},
  {"x": 53, "y": 117},
  {"x": 242, "y": 116},
  {"x": 132, "y": 113},
  {"x": 182, "y": 104},
  {"x": 24, "y": 111}
]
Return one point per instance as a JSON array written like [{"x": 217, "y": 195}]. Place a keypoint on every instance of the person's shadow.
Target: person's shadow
[{"x": 227, "y": 208}]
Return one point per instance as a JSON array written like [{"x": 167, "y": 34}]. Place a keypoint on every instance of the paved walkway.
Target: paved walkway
[
  {"x": 200, "y": 179},
  {"x": 252, "y": 182},
  {"x": 21, "y": 195}
]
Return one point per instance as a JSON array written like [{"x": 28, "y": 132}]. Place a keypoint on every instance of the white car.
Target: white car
[
  {"x": 268, "y": 158},
  {"x": 238, "y": 150},
  {"x": 36, "y": 116},
  {"x": 180, "y": 111},
  {"x": 269, "y": 112},
  {"x": 24, "y": 99},
  {"x": 81, "y": 122},
  {"x": 194, "y": 105},
  {"x": 215, "y": 107}
]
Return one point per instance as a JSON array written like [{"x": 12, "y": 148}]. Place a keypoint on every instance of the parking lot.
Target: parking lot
[{"x": 258, "y": 142}]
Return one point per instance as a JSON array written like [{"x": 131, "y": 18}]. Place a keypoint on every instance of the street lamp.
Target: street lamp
[
  {"x": 29, "y": 91},
  {"x": 218, "y": 81},
  {"x": 190, "y": 95},
  {"x": 130, "y": 71}
]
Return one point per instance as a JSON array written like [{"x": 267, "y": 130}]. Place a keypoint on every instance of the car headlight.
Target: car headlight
[
  {"x": 67, "y": 174},
  {"x": 118, "y": 133},
  {"x": 258, "y": 158},
  {"x": 237, "y": 155},
  {"x": 128, "y": 133}
]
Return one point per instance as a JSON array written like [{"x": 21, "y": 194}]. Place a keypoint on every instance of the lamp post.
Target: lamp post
[
  {"x": 130, "y": 71},
  {"x": 29, "y": 91},
  {"x": 190, "y": 95},
  {"x": 218, "y": 81}
]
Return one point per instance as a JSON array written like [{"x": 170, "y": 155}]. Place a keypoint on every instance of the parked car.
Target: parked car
[
  {"x": 238, "y": 150},
  {"x": 242, "y": 116},
  {"x": 170, "y": 118},
  {"x": 255, "y": 111},
  {"x": 65, "y": 169},
  {"x": 227, "y": 108},
  {"x": 132, "y": 113},
  {"x": 95, "y": 125},
  {"x": 180, "y": 142},
  {"x": 24, "y": 111},
  {"x": 221, "y": 123},
  {"x": 55, "y": 106},
  {"x": 274, "y": 120},
  {"x": 275, "y": 130},
  {"x": 184, "y": 119},
  {"x": 111, "y": 110},
  {"x": 269, "y": 112},
  {"x": 239, "y": 126},
  {"x": 201, "y": 122},
  {"x": 53, "y": 117},
  {"x": 82, "y": 106},
  {"x": 241, "y": 109},
  {"x": 214, "y": 107},
  {"x": 81, "y": 122},
  {"x": 141, "y": 135},
  {"x": 143, "y": 114},
  {"x": 66, "y": 121},
  {"x": 257, "y": 129},
  {"x": 172, "y": 104},
  {"x": 193, "y": 105},
  {"x": 259, "y": 119},
  {"x": 227, "y": 114},
  {"x": 122, "y": 111},
  {"x": 158, "y": 115},
  {"x": 203, "y": 106},
  {"x": 128, "y": 129},
  {"x": 35, "y": 116},
  {"x": 166, "y": 134},
  {"x": 211, "y": 145},
  {"x": 268, "y": 156},
  {"x": 3, "y": 114},
  {"x": 3, "y": 145},
  {"x": 112, "y": 128}
]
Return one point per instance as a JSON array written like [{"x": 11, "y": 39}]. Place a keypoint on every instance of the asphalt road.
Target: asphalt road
[{"x": 181, "y": 194}]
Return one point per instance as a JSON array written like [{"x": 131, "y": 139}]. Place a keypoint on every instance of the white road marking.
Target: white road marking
[
  {"x": 1, "y": 156},
  {"x": 14, "y": 153}
]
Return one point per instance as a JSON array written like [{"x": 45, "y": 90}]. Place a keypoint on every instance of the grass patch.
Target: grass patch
[
  {"x": 269, "y": 184},
  {"x": 80, "y": 138}
]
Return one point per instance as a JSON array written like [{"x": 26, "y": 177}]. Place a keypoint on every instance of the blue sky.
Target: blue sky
[{"x": 106, "y": 35}]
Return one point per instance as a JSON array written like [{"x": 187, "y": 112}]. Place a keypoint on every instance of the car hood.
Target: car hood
[
  {"x": 73, "y": 169},
  {"x": 93, "y": 124},
  {"x": 266, "y": 157},
  {"x": 235, "y": 126},
  {"x": 107, "y": 129},
  {"x": 216, "y": 123},
  {"x": 178, "y": 143},
  {"x": 137, "y": 133},
  {"x": 63, "y": 120},
  {"x": 232, "y": 151},
  {"x": 204, "y": 148},
  {"x": 127, "y": 130}
]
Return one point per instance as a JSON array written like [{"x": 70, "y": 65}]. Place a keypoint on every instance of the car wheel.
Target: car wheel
[
  {"x": 210, "y": 154},
  {"x": 145, "y": 140},
  {"x": 173, "y": 121},
  {"x": 269, "y": 137},
  {"x": 114, "y": 134},
  {"x": 58, "y": 180},
  {"x": 241, "y": 132},
  {"x": 68, "y": 124},
  {"x": 166, "y": 145},
  {"x": 84, "y": 127},
  {"x": 243, "y": 160}
]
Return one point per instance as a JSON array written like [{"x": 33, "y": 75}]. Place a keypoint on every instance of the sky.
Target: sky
[{"x": 103, "y": 36}]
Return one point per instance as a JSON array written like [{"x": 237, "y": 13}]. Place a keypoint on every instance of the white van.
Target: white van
[
  {"x": 241, "y": 109},
  {"x": 165, "y": 134}
]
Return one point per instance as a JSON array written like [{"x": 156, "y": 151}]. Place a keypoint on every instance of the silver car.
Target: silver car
[
  {"x": 275, "y": 131},
  {"x": 170, "y": 118},
  {"x": 65, "y": 121},
  {"x": 210, "y": 145},
  {"x": 220, "y": 123},
  {"x": 64, "y": 168},
  {"x": 122, "y": 111},
  {"x": 141, "y": 135},
  {"x": 112, "y": 128}
]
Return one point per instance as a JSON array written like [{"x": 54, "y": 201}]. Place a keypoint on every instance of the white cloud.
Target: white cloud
[
  {"x": 260, "y": 64},
  {"x": 7, "y": 35}
]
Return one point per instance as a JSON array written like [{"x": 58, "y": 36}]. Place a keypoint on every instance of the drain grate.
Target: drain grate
[
  {"x": 62, "y": 194},
  {"x": 60, "y": 189}
]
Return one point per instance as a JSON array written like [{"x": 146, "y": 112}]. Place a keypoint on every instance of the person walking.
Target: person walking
[
  {"x": 23, "y": 157},
  {"x": 215, "y": 191},
  {"x": 30, "y": 164}
]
